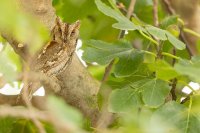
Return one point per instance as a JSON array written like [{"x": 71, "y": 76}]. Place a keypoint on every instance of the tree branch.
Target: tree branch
[{"x": 78, "y": 88}]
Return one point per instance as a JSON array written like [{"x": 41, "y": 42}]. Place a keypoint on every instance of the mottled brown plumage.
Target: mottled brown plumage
[
  {"x": 56, "y": 55},
  {"x": 54, "y": 58}
]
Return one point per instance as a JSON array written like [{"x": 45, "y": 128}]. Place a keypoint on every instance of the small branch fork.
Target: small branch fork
[
  {"x": 121, "y": 35},
  {"x": 171, "y": 11}
]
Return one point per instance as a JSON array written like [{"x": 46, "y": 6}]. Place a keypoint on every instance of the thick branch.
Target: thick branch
[{"x": 78, "y": 88}]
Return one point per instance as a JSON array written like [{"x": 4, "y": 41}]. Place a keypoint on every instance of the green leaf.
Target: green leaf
[
  {"x": 189, "y": 68},
  {"x": 171, "y": 20},
  {"x": 24, "y": 126},
  {"x": 165, "y": 35},
  {"x": 123, "y": 22},
  {"x": 6, "y": 125},
  {"x": 7, "y": 68},
  {"x": 179, "y": 117},
  {"x": 128, "y": 64},
  {"x": 156, "y": 32},
  {"x": 65, "y": 112},
  {"x": 154, "y": 92},
  {"x": 175, "y": 42},
  {"x": 163, "y": 70},
  {"x": 123, "y": 100},
  {"x": 103, "y": 53},
  {"x": 24, "y": 28},
  {"x": 174, "y": 30}
]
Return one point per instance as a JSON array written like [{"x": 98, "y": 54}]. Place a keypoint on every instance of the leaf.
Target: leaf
[
  {"x": 123, "y": 100},
  {"x": 24, "y": 28},
  {"x": 6, "y": 125},
  {"x": 171, "y": 20},
  {"x": 24, "y": 126},
  {"x": 165, "y": 35},
  {"x": 123, "y": 22},
  {"x": 178, "y": 117},
  {"x": 64, "y": 112},
  {"x": 128, "y": 64},
  {"x": 163, "y": 70},
  {"x": 103, "y": 53},
  {"x": 7, "y": 68},
  {"x": 189, "y": 68},
  {"x": 175, "y": 42},
  {"x": 174, "y": 30},
  {"x": 156, "y": 32},
  {"x": 154, "y": 92}
]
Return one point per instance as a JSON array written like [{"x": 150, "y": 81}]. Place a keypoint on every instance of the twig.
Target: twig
[
  {"x": 131, "y": 8},
  {"x": 108, "y": 70},
  {"x": 173, "y": 90},
  {"x": 156, "y": 23},
  {"x": 182, "y": 37},
  {"x": 155, "y": 13},
  {"x": 174, "y": 60},
  {"x": 169, "y": 7},
  {"x": 121, "y": 35},
  {"x": 174, "y": 81}
]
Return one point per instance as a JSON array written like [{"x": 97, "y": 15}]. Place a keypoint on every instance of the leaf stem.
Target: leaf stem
[
  {"x": 149, "y": 38},
  {"x": 150, "y": 53},
  {"x": 188, "y": 115},
  {"x": 191, "y": 32},
  {"x": 170, "y": 55}
]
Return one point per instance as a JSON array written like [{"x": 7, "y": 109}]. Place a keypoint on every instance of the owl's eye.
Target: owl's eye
[{"x": 73, "y": 33}]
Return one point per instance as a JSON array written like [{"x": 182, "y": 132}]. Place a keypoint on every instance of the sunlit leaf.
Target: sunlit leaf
[
  {"x": 24, "y": 28},
  {"x": 123, "y": 22},
  {"x": 7, "y": 68}
]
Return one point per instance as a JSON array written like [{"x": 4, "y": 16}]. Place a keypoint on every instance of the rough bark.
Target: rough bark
[{"x": 78, "y": 88}]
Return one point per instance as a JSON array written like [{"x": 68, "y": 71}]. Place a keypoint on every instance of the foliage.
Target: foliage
[{"x": 143, "y": 74}]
